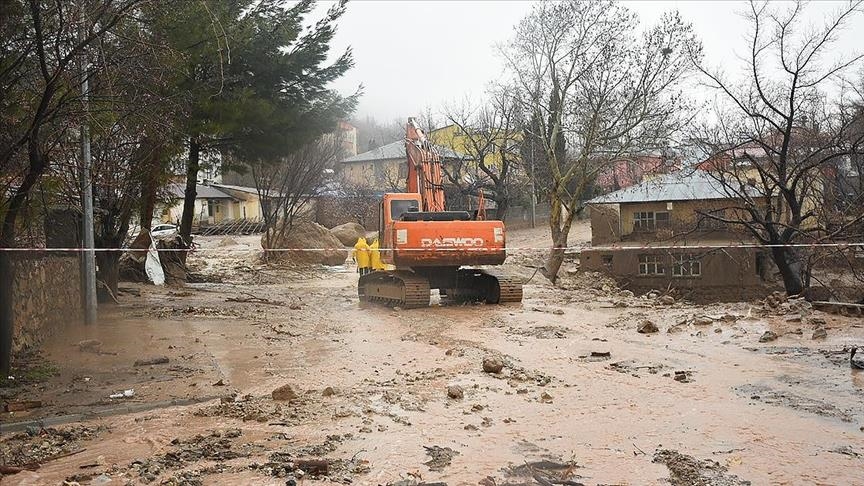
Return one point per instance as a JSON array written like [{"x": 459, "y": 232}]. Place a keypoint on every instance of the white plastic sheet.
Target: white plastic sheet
[{"x": 153, "y": 266}]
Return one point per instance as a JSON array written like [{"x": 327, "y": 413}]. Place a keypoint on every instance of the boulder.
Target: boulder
[
  {"x": 646, "y": 327},
  {"x": 348, "y": 233}
]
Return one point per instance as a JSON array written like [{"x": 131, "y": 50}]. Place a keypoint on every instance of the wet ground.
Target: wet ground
[{"x": 581, "y": 397}]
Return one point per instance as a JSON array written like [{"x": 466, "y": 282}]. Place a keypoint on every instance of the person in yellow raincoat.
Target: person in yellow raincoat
[
  {"x": 375, "y": 256},
  {"x": 362, "y": 257}
]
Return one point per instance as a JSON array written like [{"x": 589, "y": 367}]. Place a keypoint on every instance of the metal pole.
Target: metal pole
[{"x": 89, "y": 254}]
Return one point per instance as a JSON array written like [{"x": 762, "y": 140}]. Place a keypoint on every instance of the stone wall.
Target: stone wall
[{"x": 46, "y": 296}]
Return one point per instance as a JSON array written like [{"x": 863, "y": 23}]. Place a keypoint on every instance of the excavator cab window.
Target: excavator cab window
[{"x": 401, "y": 206}]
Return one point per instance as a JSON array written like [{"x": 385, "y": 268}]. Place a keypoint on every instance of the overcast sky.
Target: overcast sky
[{"x": 414, "y": 54}]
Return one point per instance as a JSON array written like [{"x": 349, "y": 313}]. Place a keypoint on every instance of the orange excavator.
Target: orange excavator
[{"x": 432, "y": 248}]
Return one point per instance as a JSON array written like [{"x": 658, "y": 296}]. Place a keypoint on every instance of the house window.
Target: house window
[
  {"x": 650, "y": 220},
  {"x": 606, "y": 260},
  {"x": 686, "y": 265},
  {"x": 651, "y": 265}
]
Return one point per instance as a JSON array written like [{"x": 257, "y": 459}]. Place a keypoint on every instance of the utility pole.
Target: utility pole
[
  {"x": 89, "y": 254},
  {"x": 533, "y": 189}
]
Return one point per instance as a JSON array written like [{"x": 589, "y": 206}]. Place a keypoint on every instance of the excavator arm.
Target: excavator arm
[{"x": 424, "y": 169}]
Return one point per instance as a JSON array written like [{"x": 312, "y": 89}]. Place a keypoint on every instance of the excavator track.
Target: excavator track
[
  {"x": 398, "y": 289},
  {"x": 509, "y": 289},
  {"x": 485, "y": 286}
]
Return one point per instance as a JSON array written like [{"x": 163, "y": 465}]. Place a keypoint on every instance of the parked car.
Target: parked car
[{"x": 163, "y": 231}]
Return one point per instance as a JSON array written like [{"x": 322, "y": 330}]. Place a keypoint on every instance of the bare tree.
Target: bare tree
[
  {"x": 594, "y": 89},
  {"x": 286, "y": 187},
  {"x": 489, "y": 135},
  {"x": 781, "y": 146}
]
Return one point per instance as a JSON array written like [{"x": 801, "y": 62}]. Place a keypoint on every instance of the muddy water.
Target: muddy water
[{"x": 774, "y": 413}]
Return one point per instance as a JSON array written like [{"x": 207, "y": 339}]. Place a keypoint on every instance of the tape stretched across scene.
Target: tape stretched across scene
[{"x": 858, "y": 246}]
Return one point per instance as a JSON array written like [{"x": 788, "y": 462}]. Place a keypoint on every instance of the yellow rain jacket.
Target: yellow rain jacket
[
  {"x": 377, "y": 264},
  {"x": 361, "y": 253}
]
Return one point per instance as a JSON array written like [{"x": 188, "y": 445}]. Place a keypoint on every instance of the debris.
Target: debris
[
  {"x": 328, "y": 392},
  {"x": 124, "y": 394},
  {"x": 601, "y": 354},
  {"x": 23, "y": 405},
  {"x": 313, "y": 466},
  {"x": 702, "y": 321},
  {"x": 492, "y": 364},
  {"x": 441, "y": 457},
  {"x": 89, "y": 345},
  {"x": 310, "y": 243},
  {"x": 221, "y": 382},
  {"x": 820, "y": 333},
  {"x": 284, "y": 393},
  {"x": 254, "y": 300},
  {"x": 546, "y": 397},
  {"x": 857, "y": 363},
  {"x": 647, "y": 327},
  {"x": 682, "y": 376},
  {"x": 455, "y": 392},
  {"x": 767, "y": 336},
  {"x": 666, "y": 300},
  {"x": 151, "y": 361},
  {"x": 685, "y": 470}
]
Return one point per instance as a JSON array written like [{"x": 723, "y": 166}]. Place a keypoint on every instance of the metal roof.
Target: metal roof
[
  {"x": 684, "y": 185},
  {"x": 396, "y": 150},
  {"x": 201, "y": 191}
]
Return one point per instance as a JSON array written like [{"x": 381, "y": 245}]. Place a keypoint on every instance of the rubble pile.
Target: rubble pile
[
  {"x": 38, "y": 445},
  {"x": 314, "y": 244}
]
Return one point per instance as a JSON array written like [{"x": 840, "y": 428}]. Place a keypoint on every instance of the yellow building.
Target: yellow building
[{"x": 467, "y": 144}]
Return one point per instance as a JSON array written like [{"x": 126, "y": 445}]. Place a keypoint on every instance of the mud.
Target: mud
[{"x": 371, "y": 387}]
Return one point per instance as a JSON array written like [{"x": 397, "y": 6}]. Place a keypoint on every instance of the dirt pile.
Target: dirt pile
[
  {"x": 348, "y": 233},
  {"x": 313, "y": 242}
]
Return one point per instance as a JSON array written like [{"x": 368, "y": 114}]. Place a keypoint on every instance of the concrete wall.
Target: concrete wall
[
  {"x": 731, "y": 274},
  {"x": 46, "y": 297},
  {"x": 605, "y": 224}
]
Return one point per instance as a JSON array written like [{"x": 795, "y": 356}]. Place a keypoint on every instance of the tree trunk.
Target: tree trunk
[
  {"x": 192, "y": 166},
  {"x": 149, "y": 186},
  {"x": 503, "y": 205},
  {"x": 789, "y": 264},
  {"x": 6, "y": 317},
  {"x": 109, "y": 274},
  {"x": 191, "y": 193},
  {"x": 560, "y": 225}
]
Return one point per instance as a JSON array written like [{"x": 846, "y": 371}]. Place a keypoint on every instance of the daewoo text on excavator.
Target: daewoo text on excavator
[{"x": 432, "y": 248}]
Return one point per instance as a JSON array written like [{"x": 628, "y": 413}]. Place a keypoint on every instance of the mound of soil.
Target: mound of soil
[
  {"x": 314, "y": 243},
  {"x": 348, "y": 233}
]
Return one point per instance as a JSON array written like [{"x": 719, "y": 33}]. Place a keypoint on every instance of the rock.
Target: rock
[
  {"x": 816, "y": 321},
  {"x": 348, "y": 233},
  {"x": 820, "y": 333},
  {"x": 491, "y": 364},
  {"x": 152, "y": 361},
  {"x": 558, "y": 312},
  {"x": 91, "y": 345},
  {"x": 767, "y": 336},
  {"x": 455, "y": 392},
  {"x": 283, "y": 393},
  {"x": 546, "y": 397},
  {"x": 328, "y": 392},
  {"x": 666, "y": 300},
  {"x": 626, "y": 294},
  {"x": 646, "y": 327},
  {"x": 796, "y": 318},
  {"x": 702, "y": 321},
  {"x": 227, "y": 241}
]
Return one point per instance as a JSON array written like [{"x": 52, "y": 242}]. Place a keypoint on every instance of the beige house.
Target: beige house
[
  {"x": 659, "y": 234},
  {"x": 383, "y": 169},
  {"x": 214, "y": 203}
]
